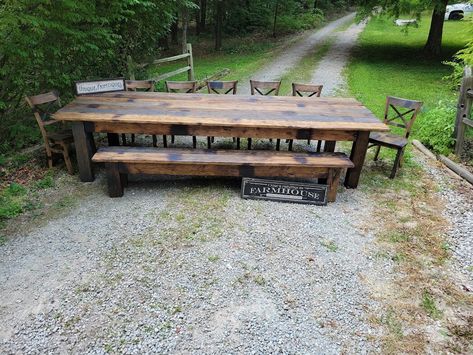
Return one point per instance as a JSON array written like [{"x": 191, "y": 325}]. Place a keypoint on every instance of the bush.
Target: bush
[
  {"x": 295, "y": 23},
  {"x": 435, "y": 128}
]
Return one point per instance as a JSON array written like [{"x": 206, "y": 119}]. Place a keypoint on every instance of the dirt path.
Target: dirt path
[
  {"x": 275, "y": 69},
  {"x": 329, "y": 72}
]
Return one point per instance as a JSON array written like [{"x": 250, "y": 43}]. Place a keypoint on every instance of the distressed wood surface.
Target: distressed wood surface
[
  {"x": 225, "y": 111},
  {"x": 221, "y": 157},
  {"x": 121, "y": 161}
]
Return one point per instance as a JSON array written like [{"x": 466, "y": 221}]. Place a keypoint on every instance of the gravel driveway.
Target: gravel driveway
[
  {"x": 291, "y": 56},
  {"x": 188, "y": 266}
]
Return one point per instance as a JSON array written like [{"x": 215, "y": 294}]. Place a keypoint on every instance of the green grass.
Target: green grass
[
  {"x": 242, "y": 56},
  {"x": 302, "y": 73},
  {"x": 390, "y": 61},
  {"x": 12, "y": 201},
  {"x": 428, "y": 303}
]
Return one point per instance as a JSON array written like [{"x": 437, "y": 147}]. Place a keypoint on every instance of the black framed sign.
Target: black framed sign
[
  {"x": 284, "y": 191},
  {"x": 98, "y": 86}
]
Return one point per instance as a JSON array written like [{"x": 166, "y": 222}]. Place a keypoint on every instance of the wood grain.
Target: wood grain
[
  {"x": 229, "y": 111},
  {"x": 220, "y": 157}
]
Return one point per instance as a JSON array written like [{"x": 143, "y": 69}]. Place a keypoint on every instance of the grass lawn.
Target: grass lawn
[
  {"x": 389, "y": 61},
  {"x": 242, "y": 56}
]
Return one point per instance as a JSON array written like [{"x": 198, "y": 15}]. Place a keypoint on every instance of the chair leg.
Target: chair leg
[
  {"x": 165, "y": 141},
  {"x": 67, "y": 159},
  {"x": 278, "y": 144},
  {"x": 49, "y": 155},
  {"x": 155, "y": 141},
  {"x": 194, "y": 141},
  {"x": 123, "y": 138},
  {"x": 396, "y": 163},
  {"x": 378, "y": 148},
  {"x": 291, "y": 141}
]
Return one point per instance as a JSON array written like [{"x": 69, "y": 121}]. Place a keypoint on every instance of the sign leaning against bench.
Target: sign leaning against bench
[
  {"x": 86, "y": 87},
  {"x": 284, "y": 191}
]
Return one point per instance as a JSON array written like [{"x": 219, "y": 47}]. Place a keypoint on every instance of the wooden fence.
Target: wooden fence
[
  {"x": 189, "y": 68},
  {"x": 464, "y": 107}
]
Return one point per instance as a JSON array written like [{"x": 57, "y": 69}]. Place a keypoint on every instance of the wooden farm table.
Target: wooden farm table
[{"x": 325, "y": 118}]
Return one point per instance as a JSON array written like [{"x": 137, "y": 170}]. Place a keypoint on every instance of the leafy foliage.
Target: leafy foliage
[
  {"x": 436, "y": 127},
  {"x": 47, "y": 45}
]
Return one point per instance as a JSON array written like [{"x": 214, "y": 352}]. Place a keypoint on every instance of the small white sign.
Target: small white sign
[{"x": 98, "y": 86}]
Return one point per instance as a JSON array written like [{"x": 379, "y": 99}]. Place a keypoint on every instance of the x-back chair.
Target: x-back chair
[
  {"x": 186, "y": 87},
  {"x": 265, "y": 88},
  {"x": 306, "y": 90},
  {"x": 222, "y": 88},
  {"x": 398, "y": 113},
  {"x": 139, "y": 85},
  {"x": 59, "y": 141}
]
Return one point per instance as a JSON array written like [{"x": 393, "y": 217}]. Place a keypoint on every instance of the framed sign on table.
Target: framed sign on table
[{"x": 86, "y": 87}]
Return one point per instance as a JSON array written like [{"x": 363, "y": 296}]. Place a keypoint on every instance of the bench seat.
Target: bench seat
[{"x": 121, "y": 161}]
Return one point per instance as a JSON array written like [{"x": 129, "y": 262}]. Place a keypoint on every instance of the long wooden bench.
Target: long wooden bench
[{"x": 121, "y": 161}]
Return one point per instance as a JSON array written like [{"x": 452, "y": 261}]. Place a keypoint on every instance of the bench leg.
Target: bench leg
[
  {"x": 333, "y": 180},
  {"x": 115, "y": 180}
]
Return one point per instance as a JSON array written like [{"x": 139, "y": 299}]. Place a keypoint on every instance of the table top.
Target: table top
[{"x": 327, "y": 113}]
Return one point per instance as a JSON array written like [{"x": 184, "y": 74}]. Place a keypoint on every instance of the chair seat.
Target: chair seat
[
  {"x": 61, "y": 136},
  {"x": 388, "y": 139}
]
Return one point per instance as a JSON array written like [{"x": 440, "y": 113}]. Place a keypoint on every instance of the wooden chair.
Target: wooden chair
[
  {"x": 308, "y": 90},
  {"x": 394, "y": 117},
  {"x": 222, "y": 88},
  {"x": 57, "y": 141},
  {"x": 265, "y": 88},
  {"x": 186, "y": 87},
  {"x": 139, "y": 85}
]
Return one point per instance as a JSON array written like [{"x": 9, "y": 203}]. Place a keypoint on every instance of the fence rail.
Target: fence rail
[{"x": 189, "y": 68}]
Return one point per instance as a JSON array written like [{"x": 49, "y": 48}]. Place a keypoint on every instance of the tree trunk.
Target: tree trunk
[
  {"x": 315, "y": 5},
  {"x": 218, "y": 24},
  {"x": 433, "y": 45},
  {"x": 185, "y": 21},
  {"x": 174, "y": 31},
  {"x": 203, "y": 15},
  {"x": 276, "y": 10}
]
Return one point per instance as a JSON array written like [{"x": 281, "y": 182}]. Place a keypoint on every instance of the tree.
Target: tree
[
  {"x": 218, "y": 24},
  {"x": 433, "y": 43}
]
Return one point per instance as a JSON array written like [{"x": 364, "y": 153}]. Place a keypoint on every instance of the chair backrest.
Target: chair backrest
[
  {"x": 308, "y": 89},
  {"x": 139, "y": 85},
  {"x": 401, "y": 113},
  {"x": 222, "y": 87},
  {"x": 43, "y": 106},
  {"x": 181, "y": 86},
  {"x": 265, "y": 87}
]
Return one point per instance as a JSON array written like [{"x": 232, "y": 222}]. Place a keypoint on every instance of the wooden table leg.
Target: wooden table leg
[
  {"x": 329, "y": 146},
  {"x": 113, "y": 139},
  {"x": 85, "y": 149},
  {"x": 357, "y": 156}
]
